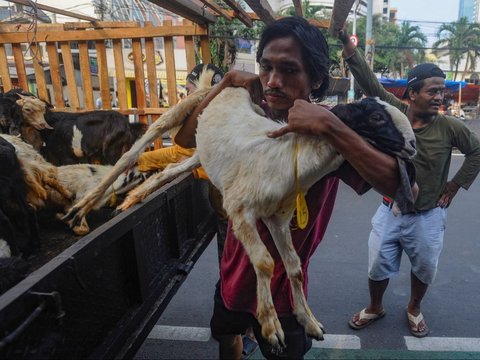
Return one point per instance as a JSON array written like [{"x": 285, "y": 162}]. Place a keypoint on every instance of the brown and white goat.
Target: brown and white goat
[
  {"x": 240, "y": 161},
  {"x": 39, "y": 175},
  {"x": 65, "y": 138},
  {"x": 18, "y": 225}
]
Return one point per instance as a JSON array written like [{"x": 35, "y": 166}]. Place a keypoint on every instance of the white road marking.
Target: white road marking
[
  {"x": 179, "y": 333},
  {"x": 338, "y": 342},
  {"x": 191, "y": 333},
  {"x": 332, "y": 341},
  {"x": 442, "y": 344}
]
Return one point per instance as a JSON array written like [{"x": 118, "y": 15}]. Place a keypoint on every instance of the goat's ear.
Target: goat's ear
[
  {"x": 21, "y": 101},
  {"x": 21, "y": 96}
]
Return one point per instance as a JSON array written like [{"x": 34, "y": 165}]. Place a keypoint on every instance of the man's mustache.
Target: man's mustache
[{"x": 274, "y": 93}]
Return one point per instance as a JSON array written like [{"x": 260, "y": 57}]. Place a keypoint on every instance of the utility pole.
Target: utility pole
[
  {"x": 351, "y": 92},
  {"x": 369, "y": 43}
]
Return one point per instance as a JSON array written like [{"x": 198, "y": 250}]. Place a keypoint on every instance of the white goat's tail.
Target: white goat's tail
[
  {"x": 154, "y": 182},
  {"x": 173, "y": 117}
]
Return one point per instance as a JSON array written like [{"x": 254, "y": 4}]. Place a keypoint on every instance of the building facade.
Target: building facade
[{"x": 469, "y": 9}]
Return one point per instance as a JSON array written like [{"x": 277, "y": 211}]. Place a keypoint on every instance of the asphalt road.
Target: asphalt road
[{"x": 338, "y": 288}]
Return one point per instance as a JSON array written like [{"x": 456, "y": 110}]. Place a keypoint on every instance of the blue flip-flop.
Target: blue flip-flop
[{"x": 249, "y": 346}]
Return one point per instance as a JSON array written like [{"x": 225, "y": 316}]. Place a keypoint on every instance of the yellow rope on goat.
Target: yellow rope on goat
[
  {"x": 113, "y": 198},
  {"x": 302, "y": 208}
]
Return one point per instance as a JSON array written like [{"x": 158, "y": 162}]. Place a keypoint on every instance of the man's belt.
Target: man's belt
[{"x": 387, "y": 202}]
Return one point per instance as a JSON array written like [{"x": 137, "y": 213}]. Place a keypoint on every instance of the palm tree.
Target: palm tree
[
  {"x": 384, "y": 35},
  {"x": 411, "y": 37},
  {"x": 473, "y": 51},
  {"x": 395, "y": 45},
  {"x": 222, "y": 39},
  {"x": 456, "y": 40}
]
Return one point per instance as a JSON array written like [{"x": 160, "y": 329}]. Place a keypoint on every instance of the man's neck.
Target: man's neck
[
  {"x": 275, "y": 115},
  {"x": 418, "y": 119}
]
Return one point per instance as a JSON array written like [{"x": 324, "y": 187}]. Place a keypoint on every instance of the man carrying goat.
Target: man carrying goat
[
  {"x": 293, "y": 58},
  {"x": 263, "y": 276}
]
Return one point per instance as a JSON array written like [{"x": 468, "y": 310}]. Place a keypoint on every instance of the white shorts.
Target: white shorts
[{"x": 420, "y": 235}]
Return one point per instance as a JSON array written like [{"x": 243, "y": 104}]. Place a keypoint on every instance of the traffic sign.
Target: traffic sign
[{"x": 354, "y": 39}]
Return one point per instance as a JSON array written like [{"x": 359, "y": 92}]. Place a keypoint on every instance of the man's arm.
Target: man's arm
[
  {"x": 364, "y": 76},
  {"x": 380, "y": 170},
  {"x": 469, "y": 144},
  {"x": 186, "y": 135}
]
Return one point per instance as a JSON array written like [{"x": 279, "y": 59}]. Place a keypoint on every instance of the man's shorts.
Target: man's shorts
[
  {"x": 419, "y": 234},
  {"x": 227, "y": 322}
]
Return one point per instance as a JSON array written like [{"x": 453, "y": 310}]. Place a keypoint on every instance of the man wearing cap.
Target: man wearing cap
[{"x": 420, "y": 233}]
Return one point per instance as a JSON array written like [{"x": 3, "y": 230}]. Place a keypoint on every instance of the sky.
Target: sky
[{"x": 428, "y": 14}]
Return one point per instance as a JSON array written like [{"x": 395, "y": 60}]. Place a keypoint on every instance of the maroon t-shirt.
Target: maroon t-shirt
[{"x": 237, "y": 277}]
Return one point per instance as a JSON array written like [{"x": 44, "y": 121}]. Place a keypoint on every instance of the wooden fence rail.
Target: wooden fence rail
[{"x": 72, "y": 61}]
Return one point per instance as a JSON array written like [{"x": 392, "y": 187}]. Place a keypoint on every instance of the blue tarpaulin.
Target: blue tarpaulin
[{"x": 449, "y": 84}]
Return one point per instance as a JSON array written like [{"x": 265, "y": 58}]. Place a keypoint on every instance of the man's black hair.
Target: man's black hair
[{"x": 313, "y": 44}]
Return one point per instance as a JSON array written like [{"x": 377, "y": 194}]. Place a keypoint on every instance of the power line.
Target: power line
[
  {"x": 391, "y": 47},
  {"x": 426, "y": 21}
]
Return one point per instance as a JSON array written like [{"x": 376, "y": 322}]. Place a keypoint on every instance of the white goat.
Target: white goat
[{"x": 256, "y": 177}]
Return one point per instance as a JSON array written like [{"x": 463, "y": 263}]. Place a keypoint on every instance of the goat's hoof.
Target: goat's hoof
[
  {"x": 315, "y": 329},
  {"x": 273, "y": 332},
  {"x": 128, "y": 203},
  {"x": 277, "y": 345},
  {"x": 115, "y": 212},
  {"x": 75, "y": 223},
  {"x": 81, "y": 230},
  {"x": 59, "y": 216},
  {"x": 69, "y": 215}
]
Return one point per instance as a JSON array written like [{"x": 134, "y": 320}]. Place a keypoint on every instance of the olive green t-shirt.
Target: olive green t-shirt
[{"x": 435, "y": 142}]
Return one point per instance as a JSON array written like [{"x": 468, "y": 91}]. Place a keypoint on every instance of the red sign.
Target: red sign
[{"x": 354, "y": 39}]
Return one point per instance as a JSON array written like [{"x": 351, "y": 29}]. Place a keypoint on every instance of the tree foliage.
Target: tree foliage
[
  {"x": 224, "y": 35},
  {"x": 397, "y": 47},
  {"x": 459, "y": 40}
]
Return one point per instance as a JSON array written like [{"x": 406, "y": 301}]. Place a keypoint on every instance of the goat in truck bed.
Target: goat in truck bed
[
  {"x": 65, "y": 138},
  {"x": 241, "y": 159},
  {"x": 18, "y": 107},
  {"x": 18, "y": 224},
  {"x": 95, "y": 137},
  {"x": 49, "y": 186}
]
